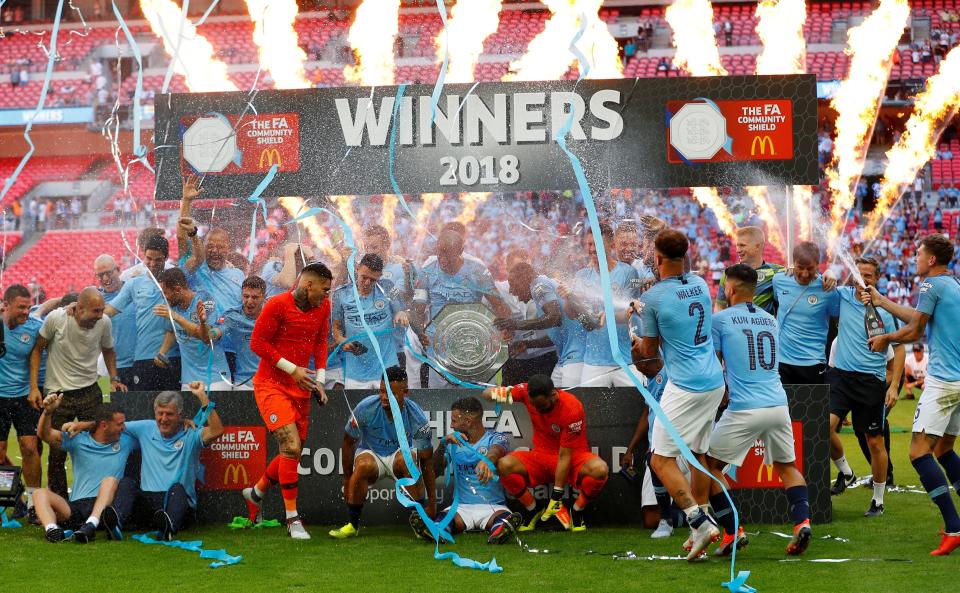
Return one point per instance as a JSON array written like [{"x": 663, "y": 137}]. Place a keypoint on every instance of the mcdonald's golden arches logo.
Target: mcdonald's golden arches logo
[
  {"x": 272, "y": 155},
  {"x": 763, "y": 141},
  {"x": 769, "y": 468},
  {"x": 232, "y": 474}
]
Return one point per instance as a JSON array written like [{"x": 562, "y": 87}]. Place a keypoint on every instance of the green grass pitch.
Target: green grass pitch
[{"x": 887, "y": 554}]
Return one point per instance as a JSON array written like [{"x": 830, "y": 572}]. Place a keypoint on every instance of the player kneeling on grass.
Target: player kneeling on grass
[
  {"x": 371, "y": 450},
  {"x": 560, "y": 453},
  {"x": 98, "y": 459},
  {"x": 483, "y": 503},
  {"x": 745, "y": 337}
]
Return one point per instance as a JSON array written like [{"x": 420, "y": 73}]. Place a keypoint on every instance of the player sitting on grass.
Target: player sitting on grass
[
  {"x": 560, "y": 453},
  {"x": 371, "y": 432},
  {"x": 99, "y": 458},
  {"x": 745, "y": 337},
  {"x": 483, "y": 503}
]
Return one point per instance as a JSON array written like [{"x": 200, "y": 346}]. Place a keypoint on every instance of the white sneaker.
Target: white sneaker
[
  {"x": 296, "y": 529},
  {"x": 253, "y": 505},
  {"x": 664, "y": 529},
  {"x": 703, "y": 536}
]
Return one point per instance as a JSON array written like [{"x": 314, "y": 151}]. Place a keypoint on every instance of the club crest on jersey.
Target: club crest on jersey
[
  {"x": 659, "y": 379},
  {"x": 379, "y": 304},
  {"x": 812, "y": 299},
  {"x": 178, "y": 445},
  {"x": 116, "y": 446},
  {"x": 482, "y": 451},
  {"x": 25, "y": 338},
  {"x": 555, "y": 428},
  {"x": 273, "y": 417}
]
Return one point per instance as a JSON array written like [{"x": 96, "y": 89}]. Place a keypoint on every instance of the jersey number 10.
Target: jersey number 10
[{"x": 758, "y": 351}]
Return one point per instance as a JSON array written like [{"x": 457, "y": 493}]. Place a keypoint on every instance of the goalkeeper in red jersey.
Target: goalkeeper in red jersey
[
  {"x": 292, "y": 328},
  {"x": 560, "y": 454}
]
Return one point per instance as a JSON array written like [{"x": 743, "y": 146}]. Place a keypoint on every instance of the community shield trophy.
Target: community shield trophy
[{"x": 466, "y": 343}]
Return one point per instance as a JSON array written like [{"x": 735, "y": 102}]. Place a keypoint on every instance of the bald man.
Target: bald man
[
  {"x": 450, "y": 277},
  {"x": 74, "y": 337},
  {"x": 107, "y": 273},
  {"x": 207, "y": 268}
]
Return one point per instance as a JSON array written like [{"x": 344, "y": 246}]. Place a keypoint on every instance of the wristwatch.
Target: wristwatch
[{"x": 116, "y": 378}]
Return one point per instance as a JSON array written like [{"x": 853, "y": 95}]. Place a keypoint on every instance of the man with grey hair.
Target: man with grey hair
[
  {"x": 170, "y": 462},
  {"x": 74, "y": 337},
  {"x": 124, "y": 331}
]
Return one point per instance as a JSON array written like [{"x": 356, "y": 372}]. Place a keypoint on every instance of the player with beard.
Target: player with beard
[{"x": 291, "y": 328}]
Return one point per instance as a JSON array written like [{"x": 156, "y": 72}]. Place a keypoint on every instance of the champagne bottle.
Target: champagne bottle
[{"x": 872, "y": 321}]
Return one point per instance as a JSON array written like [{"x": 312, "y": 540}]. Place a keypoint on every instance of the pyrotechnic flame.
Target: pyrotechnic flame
[
  {"x": 802, "y": 205},
  {"x": 780, "y": 27},
  {"x": 389, "y": 211},
  {"x": 768, "y": 214},
  {"x": 294, "y": 205},
  {"x": 857, "y": 101},
  {"x": 709, "y": 198},
  {"x": 471, "y": 201},
  {"x": 933, "y": 109},
  {"x": 547, "y": 57},
  {"x": 344, "y": 206},
  {"x": 372, "y": 35},
  {"x": 276, "y": 39},
  {"x": 195, "y": 59},
  {"x": 471, "y": 22},
  {"x": 693, "y": 36}
]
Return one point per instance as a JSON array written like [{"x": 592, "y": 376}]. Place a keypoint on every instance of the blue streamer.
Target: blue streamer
[
  {"x": 220, "y": 557},
  {"x": 394, "y": 124},
  {"x": 139, "y": 150},
  {"x": 207, "y": 13},
  {"x": 4, "y": 522},
  {"x": 737, "y": 582},
  {"x": 48, "y": 74},
  {"x": 258, "y": 204}
]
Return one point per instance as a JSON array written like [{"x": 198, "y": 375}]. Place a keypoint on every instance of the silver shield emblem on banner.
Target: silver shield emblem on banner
[{"x": 466, "y": 343}]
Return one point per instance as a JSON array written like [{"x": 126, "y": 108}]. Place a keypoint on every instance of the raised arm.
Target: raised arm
[{"x": 45, "y": 431}]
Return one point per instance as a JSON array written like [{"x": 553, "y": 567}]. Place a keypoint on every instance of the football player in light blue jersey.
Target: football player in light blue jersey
[
  {"x": 526, "y": 285},
  {"x": 482, "y": 499},
  {"x": 170, "y": 461},
  {"x": 188, "y": 309},
  {"x": 858, "y": 386},
  {"x": 585, "y": 304},
  {"x": 380, "y": 312},
  {"x": 936, "y": 423},
  {"x": 124, "y": 326},
  {"x": 20, "y": 332},
  {"x": 397, "y": 271},
  {"x": 804, "y": 308},
  {"x": 238, "y": 324},
  {"x": 450, "y": 278},
  {"x": 142, "y": 295},
  {"x": 99, "y": 458},
  {"x": 676, "y": 315},
  {"x": 207, "y": 267},
  {"x": 745, "y": 337},
  {"x": 371, "y": 450}
]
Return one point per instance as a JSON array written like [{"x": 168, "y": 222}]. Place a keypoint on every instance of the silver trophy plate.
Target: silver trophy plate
[{"x": 466, "y": 343}]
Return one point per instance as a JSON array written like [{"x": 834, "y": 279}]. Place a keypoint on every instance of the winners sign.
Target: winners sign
[{"x": 663, "y": 132}]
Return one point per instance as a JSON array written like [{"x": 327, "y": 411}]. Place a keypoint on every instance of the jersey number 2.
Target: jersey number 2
[
  {"x": 758, "y": 352},
  {"x": 698, "y": 309}
]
